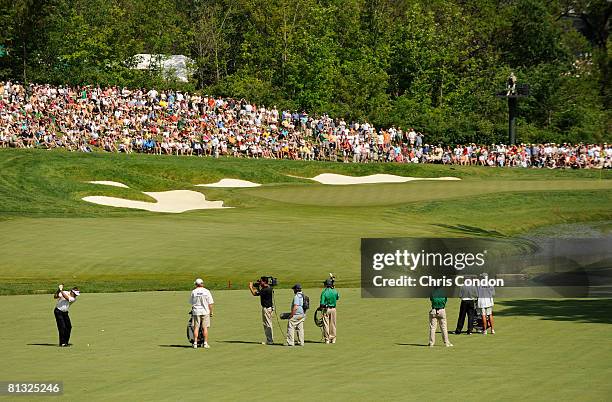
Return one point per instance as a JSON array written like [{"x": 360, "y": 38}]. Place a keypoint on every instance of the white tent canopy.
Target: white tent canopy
[{"x": 176, "y": 65}]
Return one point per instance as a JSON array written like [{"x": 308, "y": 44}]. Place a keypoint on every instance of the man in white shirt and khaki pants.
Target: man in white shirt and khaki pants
[{"x": 201, "y": 301}]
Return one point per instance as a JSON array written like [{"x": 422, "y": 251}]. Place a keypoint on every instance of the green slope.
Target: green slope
[{"x": 292, "y": 228}]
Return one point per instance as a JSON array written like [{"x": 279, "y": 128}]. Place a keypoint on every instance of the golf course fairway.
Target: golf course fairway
[
  {"x": 132, "y": 346},
  {"x": 135, "y": 269}
]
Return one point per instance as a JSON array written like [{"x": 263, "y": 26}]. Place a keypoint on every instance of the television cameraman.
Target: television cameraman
[{"x": 264, "y": 292}]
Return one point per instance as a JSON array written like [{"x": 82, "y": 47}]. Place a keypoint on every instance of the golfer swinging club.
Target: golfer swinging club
[{"x": 64, "y": 300}]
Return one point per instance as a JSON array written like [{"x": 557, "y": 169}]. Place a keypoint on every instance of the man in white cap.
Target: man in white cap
[
  {"x": 201, "y": 301},
  {"x": 64, "y": 300}
]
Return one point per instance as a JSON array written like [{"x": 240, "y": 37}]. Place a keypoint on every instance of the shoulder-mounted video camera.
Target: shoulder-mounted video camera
[{"x": 265, "y": 279}]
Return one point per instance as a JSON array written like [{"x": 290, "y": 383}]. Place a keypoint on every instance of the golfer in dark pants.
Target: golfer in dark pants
[
  {"x": 64, "y": 326},
  {"x": 468, "y": 296}
]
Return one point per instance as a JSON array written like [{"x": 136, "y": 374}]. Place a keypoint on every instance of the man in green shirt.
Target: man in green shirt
[
  {"x": 329, "y": 299},
  {"x": 437, "y": 314}
]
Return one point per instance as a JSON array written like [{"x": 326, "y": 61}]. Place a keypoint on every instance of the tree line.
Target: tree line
[{"x": 434, "y": 65}]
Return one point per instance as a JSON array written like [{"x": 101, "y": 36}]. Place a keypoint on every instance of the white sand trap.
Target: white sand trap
[
  {"x": 342, "y": 180},
  {"x": 175, "y": 201},
  {"x": 109, "y": 183},
  {"x": 230, "y": 183}
]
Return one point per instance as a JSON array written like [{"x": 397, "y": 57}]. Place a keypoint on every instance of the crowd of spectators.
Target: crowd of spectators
[{"x": 174, "y": 123}]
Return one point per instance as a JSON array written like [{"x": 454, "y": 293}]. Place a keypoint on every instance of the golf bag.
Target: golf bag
[
  {"x": 478, "y": 324},
  {"x": 190, "y": 331},
  {"x": 318, "y": 317}
]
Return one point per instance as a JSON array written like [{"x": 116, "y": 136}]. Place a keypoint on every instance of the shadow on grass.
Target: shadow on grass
[
  {"x": 176, "y": 346},
  {"x": 472, "y": 230},
  {"x": 259, "y": 343},
  {"x": 580, "y": 310},
  {"x": 413, "y": 344},
  {"x": 248, "y": 342},
  {"x": 44, "y": 344},
  {"x": 243, "y": 342}
]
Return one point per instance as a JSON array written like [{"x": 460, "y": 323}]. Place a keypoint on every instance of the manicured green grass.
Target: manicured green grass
[
  {"x": 132, "y": 346},
  {"x": 291, "y": 228},
  {"x": 51, "y": 183}
]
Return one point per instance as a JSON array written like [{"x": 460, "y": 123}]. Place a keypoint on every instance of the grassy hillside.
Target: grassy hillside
[
  {"x": 295, "y": 229},
  {"x": 34, "y": 182}
]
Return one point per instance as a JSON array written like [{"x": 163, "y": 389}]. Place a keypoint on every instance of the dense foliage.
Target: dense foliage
[{"x": 430, "y": 64}]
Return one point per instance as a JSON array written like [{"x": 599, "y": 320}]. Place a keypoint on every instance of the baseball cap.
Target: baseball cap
[
  {"x": 297, "y": 286},
  {"x": 75, "y": 291},
  {"x": 199, "y": 281}
]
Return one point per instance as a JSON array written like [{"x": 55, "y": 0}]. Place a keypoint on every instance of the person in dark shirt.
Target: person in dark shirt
[
  {"x": 468, "y": 297},
  {"x": 267, "y": 307}
]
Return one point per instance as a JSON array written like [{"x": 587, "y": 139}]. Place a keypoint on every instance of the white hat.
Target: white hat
[{"x": 199, "y": 281}]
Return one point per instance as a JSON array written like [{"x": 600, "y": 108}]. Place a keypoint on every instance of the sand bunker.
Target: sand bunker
[
  {"x": 109, "y": 183},
  {"x": 342, "y": 180},
  {"x": 230, "y": 183},
  {"x": 175, "y": 201}
]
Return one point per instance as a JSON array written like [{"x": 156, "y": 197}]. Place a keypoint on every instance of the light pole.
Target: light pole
[{"x": 513, "y": 92}]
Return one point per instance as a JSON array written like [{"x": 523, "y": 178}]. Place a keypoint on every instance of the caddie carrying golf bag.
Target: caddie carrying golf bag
[{"x": 190, "y": 331}]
